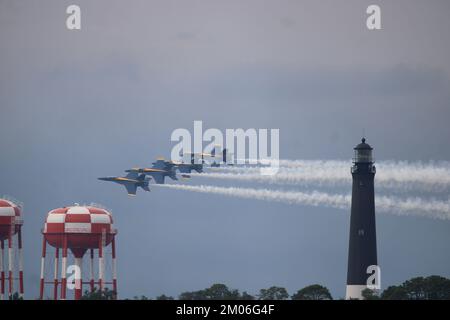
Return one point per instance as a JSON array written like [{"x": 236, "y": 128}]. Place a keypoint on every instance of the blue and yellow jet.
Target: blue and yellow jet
[
  {"x": 161, "y": 168},
  {"x": 188, "y": 167},
  {"x": 131, "y": 182}
]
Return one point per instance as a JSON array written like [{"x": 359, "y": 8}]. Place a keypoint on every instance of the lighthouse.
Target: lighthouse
[{"x": 362, "y": 254}]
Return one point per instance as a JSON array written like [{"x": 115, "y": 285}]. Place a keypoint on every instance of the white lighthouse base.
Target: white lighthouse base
[{"x": 354, "y": 291}]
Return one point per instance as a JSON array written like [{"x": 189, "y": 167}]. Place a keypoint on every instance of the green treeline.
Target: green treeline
[{"x": 418, "y": 288}]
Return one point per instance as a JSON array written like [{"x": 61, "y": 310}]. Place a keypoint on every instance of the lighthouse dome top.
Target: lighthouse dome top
[
  {"x": 363, "y": 145},
  {"x": 363, "y": 152}
]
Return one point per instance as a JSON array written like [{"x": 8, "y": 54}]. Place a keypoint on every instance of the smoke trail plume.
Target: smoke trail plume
[
  {"x": 409, "y": 206},
  {"x": 402, "y": 176}
]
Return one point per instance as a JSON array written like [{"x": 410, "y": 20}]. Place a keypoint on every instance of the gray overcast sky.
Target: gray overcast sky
[{"x": 76, "y": 105}]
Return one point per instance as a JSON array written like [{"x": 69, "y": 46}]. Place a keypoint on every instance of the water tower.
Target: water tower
[
  {"x": 78, "y": 229},
  {"x": 10, "y": 228}
]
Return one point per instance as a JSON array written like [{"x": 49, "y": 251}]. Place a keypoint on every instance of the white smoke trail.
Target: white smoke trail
[
  {"x": 344, "y": 164},
  {"x": 282, "y": 177},
  {"x": 402, "y": 176},
  {"x": 299, "y": 163},
  {"x": 290, "y": 163},
  {"x": 410, "y": 206}
]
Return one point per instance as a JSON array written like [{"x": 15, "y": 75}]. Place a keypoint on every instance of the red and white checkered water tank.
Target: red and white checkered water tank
[
  {"x": 10, "y": 218},
  {"x": 83, "y": 227}
]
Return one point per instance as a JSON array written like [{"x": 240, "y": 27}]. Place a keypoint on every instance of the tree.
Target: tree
[
  {"x": 394, "y": 293},
  {"x": 273, "y": 293},
  {"x": 217, "y": 291},
  {"x": 313, "y": 292},
  {"x": 246, "y": 296},
  {"x": 429, "y": 288},
  {"x": 369, "y": 294},
  {"x": 194, "y": 295},
  {"x": 164, "y": 297},
  {"x": 437, "y": 288},
  {"x": 15, "y": 296},
  {"x": 420, "y": 288},
  {"x": 105, "y": 294},
  {"x": 141, "y": 298},
  {"x": 415, "y": 288},
  {"x": 220, "y": 291}
]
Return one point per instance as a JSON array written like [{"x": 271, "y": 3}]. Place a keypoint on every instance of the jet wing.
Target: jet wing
[
  {"x": 158, "y": 177},
  {"x": 184, "y": 168},
  {"x": 131, "y": 189}
]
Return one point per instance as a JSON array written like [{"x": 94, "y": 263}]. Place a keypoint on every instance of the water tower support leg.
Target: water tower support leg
[
  {"x": 19, "y": 237},
  {"x": 91, "y": 270},
  {"x": 10, "y": 263},
  {"x": 2, "y": 270},
  {"x": 64, "y": 269},
  {"x": 100, "y": 265},
  {"x": 114, "y": 267},
  {"x": 41, "y": 290},
  {"x": 55, "y": 275},
  {"x": 78, "y": 279}
]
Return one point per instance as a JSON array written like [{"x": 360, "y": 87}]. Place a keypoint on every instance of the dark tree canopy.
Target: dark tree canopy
[
  {"x": 369, "y": 294},
  {"x": 313, "y": 292},
  {"x": 164, "y": 297},
  {"x": 420, "y": 288},
  {"x": 105, "y": 294},
  {"x": 217, "y": 291},
  {"x": 246, "y": 296},
  {"x": 394, "y": 293},
  {"x": 15, "y": 296},
  {"x": 273, "y": 293}
]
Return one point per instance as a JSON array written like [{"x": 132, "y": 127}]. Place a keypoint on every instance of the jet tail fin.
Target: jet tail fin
[{"x": 173, "y": 175}]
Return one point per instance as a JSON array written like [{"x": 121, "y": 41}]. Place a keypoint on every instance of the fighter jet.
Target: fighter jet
[
  {"x": 131, "y": 181},
  {"x": 160, "y": 169},
  {"x": 188, "y": 167}
]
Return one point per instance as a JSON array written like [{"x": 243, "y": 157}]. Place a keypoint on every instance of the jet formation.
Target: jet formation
[{"x": 161, "y": 168}]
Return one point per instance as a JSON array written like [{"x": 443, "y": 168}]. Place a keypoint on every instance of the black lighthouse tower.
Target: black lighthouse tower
[{"x": 362, "y": 245}]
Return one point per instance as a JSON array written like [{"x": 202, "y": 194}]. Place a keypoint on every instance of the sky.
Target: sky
[{"x": 77, "y": 105}]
